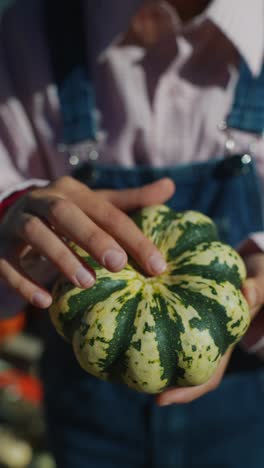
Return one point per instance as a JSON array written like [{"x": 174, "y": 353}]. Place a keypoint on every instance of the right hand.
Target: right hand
[{"x": 44, "y": 218}]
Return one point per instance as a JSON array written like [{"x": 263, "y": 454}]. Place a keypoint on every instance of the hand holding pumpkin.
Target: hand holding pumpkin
[
  {"x": 66, "y": 209},
  {"x": 253, "y": 290},
  {"x": 253, "y": 287},
  {"x": 189, "y": 394},
  {"x": 157, "y": 333}
]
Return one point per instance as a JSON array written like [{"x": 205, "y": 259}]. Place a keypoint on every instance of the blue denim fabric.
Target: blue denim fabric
[
  {"x": 225, "y": 190},
  {"x": 247, "y": 112},
  {"x": 94, "y": 424}
]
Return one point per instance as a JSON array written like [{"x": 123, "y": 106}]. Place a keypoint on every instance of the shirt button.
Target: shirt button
[
  {"x": 236, "y": 165},
  {"x": 246, "y": 159},
  {"x": 93, "y": 155},
  {"x": 74, "y": 160},
  {"x": 230, "y": 145},
  {"x": 222, "y": 126}
]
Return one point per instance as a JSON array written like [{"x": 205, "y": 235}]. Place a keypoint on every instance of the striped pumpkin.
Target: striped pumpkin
[{"x": 152, "y": 333}]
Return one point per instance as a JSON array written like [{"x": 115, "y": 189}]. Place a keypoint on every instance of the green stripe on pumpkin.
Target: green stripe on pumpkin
[
  {"x": 212, "y": 316},
  {"x": 102, "y": 289},
  {"x": 192, "y": 234},
  {"x": 123, "y": 333},
  {"x": 168, "y": 333},
  {"x": 215, "y": 271},
  {"x": 151, "y": 333}
]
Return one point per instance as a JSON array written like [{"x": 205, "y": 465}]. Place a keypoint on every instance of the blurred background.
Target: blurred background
[{"x": 23, "y": 440}]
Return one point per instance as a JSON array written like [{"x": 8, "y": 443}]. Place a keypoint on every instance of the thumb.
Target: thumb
[
  {"x": 253, "y": 287},
  {"x": 253, "y": 290},
  {"x": 131, "y": 199}
]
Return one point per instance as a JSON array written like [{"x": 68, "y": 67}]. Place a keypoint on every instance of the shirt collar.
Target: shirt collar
[{"x": 242, "y": 22}]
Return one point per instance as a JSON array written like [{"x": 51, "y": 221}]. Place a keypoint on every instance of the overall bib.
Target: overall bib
[{"x": 94, "y": 424}]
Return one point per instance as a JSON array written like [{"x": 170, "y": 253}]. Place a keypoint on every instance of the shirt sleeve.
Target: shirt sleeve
[{"x": 17, "y": 148}]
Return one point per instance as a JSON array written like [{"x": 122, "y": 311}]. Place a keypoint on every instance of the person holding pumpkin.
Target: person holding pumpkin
[{"x": 106, "y": 119}]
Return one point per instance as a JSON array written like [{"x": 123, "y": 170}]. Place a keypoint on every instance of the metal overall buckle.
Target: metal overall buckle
[{"x": 233, "y": 166}]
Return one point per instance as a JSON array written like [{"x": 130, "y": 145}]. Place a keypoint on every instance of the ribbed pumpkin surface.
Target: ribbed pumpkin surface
[{"x": 151, "y": 333}]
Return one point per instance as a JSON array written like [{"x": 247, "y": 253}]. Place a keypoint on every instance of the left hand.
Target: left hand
[{"x": 253, "y": 290}]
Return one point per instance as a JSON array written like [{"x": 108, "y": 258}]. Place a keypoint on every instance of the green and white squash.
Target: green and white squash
[{"x": 170, "y": 330}]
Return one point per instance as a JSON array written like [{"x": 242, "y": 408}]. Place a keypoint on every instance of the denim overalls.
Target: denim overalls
[{"x": 94, "y": 424}]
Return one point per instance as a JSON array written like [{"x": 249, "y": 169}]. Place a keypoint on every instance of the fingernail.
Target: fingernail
[
  {"x": 114, "y": 259},
  {"x": 157, "y": 264},
  {"x": 41, "y": 300},
  {"x": 84, "y": 278},
  {"x": 164, "y": 403}
]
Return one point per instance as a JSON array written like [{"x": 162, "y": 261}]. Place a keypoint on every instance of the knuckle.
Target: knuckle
[
  {"x": 144, "y": 247},
  {"x": 63, "y": 257},
  {"x": 66, "y": 185},
  {"x": 57, "y": 207},
  {"x": 98, "y": 242},
  {"x": 64, "y": 181},
  {"x": 34, "y": 193},
  {"x": 30, "y": 227},
  {"x": 141, "y": 197},
  {"x": 20, "y": 285},
  {"x": 95, "y": 238},
  {"x": 2, "y": 266},
  {"x": 113, "y": 216}
]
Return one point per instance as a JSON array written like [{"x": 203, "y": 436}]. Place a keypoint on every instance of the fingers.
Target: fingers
[
  {"x": 132, "y": 199},
  {"x": 189, "y": 394},
  {"x": 253, "y": 290},
  {"x": 92, "y": 222},
  {"x": 70, "y": 221},
  {"x": 102, "y": 230},
  {"x": 12, "y": 274},
  {"x": 123, "y": 229},
  {"x": 253, "y": 287},
  {"x": 112, "y": 220},
  {"x": 128, "y": 235},
  {"x": 46, "y": 216},
  {"x": 35, "y": 233}
]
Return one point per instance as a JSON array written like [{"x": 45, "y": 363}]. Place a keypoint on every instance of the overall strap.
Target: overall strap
[
  {"x": 247, "y": 113},
  {"x": 66, "y": 40}
]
